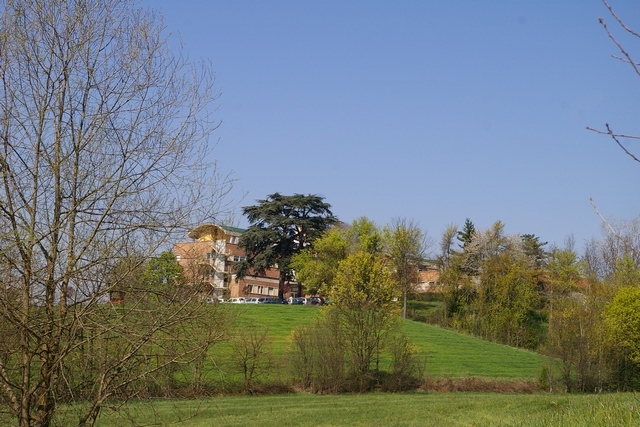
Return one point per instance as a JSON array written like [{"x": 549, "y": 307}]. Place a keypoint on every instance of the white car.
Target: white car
[{"x": 238, "y": 300}]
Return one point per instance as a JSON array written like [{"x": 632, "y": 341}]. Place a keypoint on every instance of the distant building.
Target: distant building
[
  {"x": 428, "y": 278},
  {"x": 209, "y": 261}
]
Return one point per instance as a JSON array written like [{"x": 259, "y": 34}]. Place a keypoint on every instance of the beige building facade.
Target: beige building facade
[{"x": 209, "y": 260}]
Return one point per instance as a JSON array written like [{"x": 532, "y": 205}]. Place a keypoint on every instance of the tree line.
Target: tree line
[{"x": 582, "y": 310}]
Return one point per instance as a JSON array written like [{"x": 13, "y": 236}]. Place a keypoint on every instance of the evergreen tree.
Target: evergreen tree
[{"x": 281, "y": 226}]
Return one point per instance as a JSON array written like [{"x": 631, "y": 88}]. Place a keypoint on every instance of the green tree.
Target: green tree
[
  {"x": 622, "y": 317},
  {"x": 124, "y": 279},
  {"x": 626, "y": 272},
  {"x": 316, "y": 266},
  {"x": 364, "y": 235},
  {"x": 508, "y": 301},
  {"x": 492, "y": 286},
  {"x": 467, "y": 260},
  {"x": 533, "y": 248},
  {"x": 405, "y": 247},
  {"x": 162, "y": 276},
  {"x": 564, "y": 274},
  {"x": 281, "y": 226},
  {"x": 465, "y": 236},
  {"x": 364, "y": 300}
]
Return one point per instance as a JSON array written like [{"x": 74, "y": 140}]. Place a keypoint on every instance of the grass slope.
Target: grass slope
[
  {"x": 451, "y": 354},
  {"x": 448, "y": 353}
]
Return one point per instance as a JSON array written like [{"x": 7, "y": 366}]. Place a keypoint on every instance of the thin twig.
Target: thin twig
[
  {"x": 615, "y": 41},
  {"x": 617, "y": 137},
  {"x": 615, "y": 232}
]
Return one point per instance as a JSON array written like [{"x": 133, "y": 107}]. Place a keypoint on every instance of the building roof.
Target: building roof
[{"x": 214, "y": 230}]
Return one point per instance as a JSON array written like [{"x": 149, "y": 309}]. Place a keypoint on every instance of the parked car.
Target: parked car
[
  {"x": 251, "y": 300},
  {"x": 237, "y": 300},
  {"x": 262, "y": 300},
  {"x": 313, "y": 301},
  {"x": 295, "y": 301}
]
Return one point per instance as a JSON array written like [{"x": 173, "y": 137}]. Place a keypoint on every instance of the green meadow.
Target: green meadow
[
  {"x": 378, "y": 409},
  {"x": 448, "y": 354}
]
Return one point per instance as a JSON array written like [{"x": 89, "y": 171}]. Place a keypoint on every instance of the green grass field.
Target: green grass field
[
  {"x": 376, "y": 409},
  {"x": 448, "y": 353}
]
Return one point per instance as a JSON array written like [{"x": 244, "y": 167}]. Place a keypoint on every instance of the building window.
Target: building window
[
  {"x": 271, "y": 291},
  {"x": 238, "y": 258},
  {"x": 234, "y": 240},
  {"x": 260, "y": 289}
]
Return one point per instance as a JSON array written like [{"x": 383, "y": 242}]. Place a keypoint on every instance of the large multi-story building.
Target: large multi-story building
[{"x": 209, "y": 261}]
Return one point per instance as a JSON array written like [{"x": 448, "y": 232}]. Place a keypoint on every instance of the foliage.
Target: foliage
[
  {"x": 281, "y": 226},
  {"x": 626, "y": 272},
  {"x": 364, "y": 298},
  {"x": 622, "y": 317},
  {"x": 104, "y": 140},
  {"x": 364, "y": 281},
  {"x": 492, "y": 285},
  {"x": 405, "y": 248},
  {"x": 466, "y": 235},
  {"x": 533, "y": 249},
  {"x": 506, "y": 302},
  {"x": 575, "y": 341},
  {"x": 317, "y": 266},
  {"x": 163, "y": 276},
  {"x": 360, "y": 324},
  {"x": 364, "y": 235},
  {"x": 564, "y": 272}
]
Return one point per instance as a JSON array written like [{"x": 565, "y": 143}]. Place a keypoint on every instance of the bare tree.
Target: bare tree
[
  {"x": 625, "y": 56},
  {"x": 622, "y": 140},
  {"x": 446, "y": 245},
  {"x": 103, "y": 133},
  {"x": 406, "y": 245}
]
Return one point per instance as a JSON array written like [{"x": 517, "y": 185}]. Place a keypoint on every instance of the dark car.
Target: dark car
[{"x": 314, "y": 301}]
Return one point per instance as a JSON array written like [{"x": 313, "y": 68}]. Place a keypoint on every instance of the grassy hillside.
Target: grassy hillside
[
  {"x": 448, "y": 353},
  {"x": 452, "y": 354}
]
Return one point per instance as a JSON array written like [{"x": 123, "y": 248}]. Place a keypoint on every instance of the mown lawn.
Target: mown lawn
[
  {"x": 376, "y": 409},
  {"x": 451, "y": 354},
  {"x": 447, "y": 353}
]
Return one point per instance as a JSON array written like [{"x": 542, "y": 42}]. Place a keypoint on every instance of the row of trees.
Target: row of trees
[
  {"x": 501, "y": 287},
  {"x": 581, "y": 310},
  {"x": 493, "y": 283}
]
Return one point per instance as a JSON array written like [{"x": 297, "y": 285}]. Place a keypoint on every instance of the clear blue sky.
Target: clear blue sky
[{"x": 430, "y": 110}]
